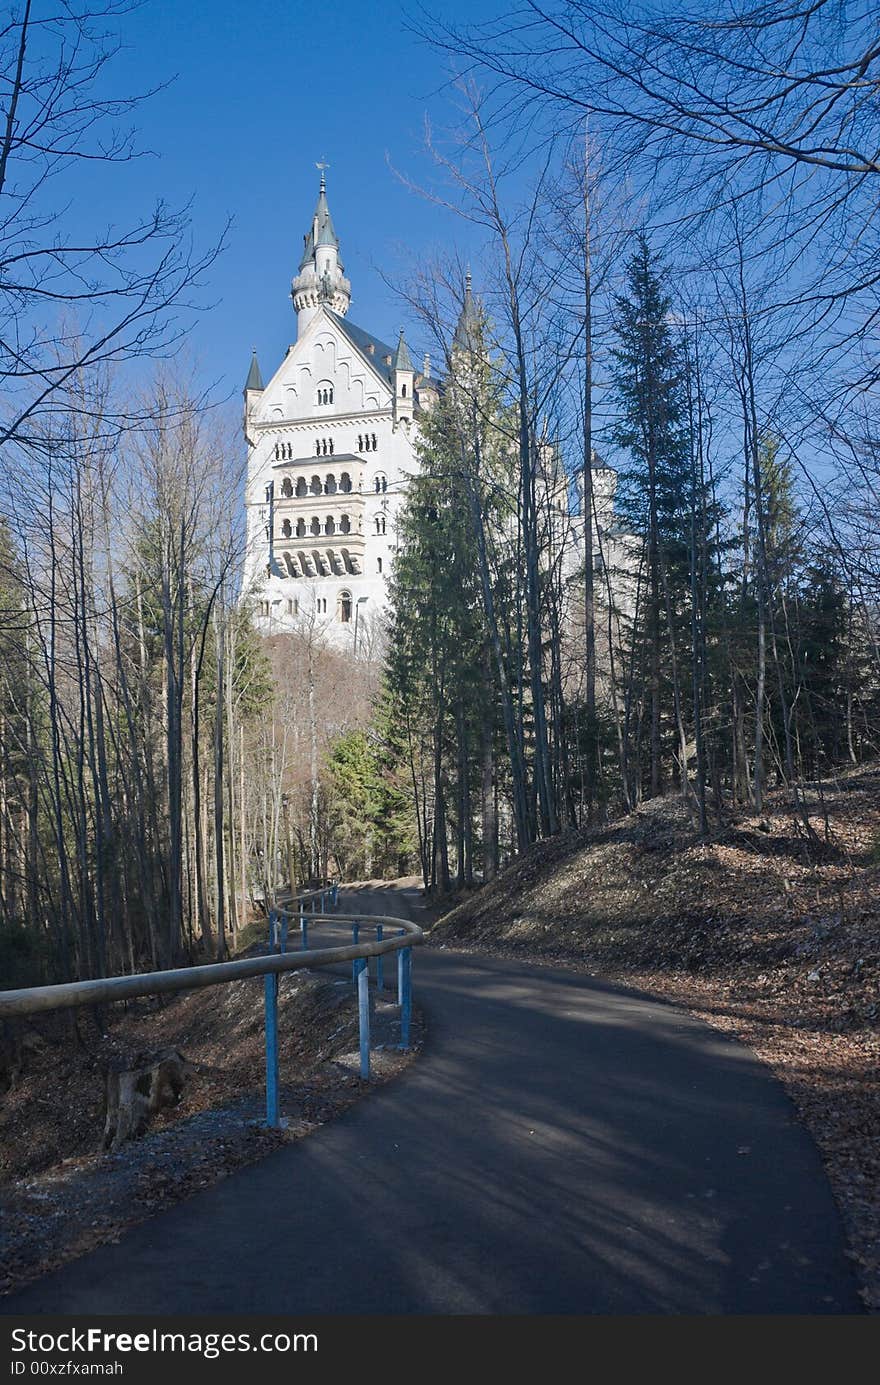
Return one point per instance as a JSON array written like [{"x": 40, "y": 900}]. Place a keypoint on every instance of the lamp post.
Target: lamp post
[{"x": 357, "y": 608}]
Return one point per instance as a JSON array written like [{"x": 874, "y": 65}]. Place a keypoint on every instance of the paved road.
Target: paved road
[{"x": 562, "y": 1146}]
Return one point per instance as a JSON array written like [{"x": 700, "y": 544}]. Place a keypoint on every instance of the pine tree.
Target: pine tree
[{"x": 656, "y": 485}]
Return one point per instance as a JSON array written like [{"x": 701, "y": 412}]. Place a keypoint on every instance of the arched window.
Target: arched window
[
  {"x": 330, "y": 484},
  {"x": 344, "y": 607},
  {"x": 380, "y": 524},
  {"x": 286, "y": 529},
  {"x": 317, "y": 447},
  {"x": 403, "y": 391},
  {"x": 300, "y": 528},
  {"x": 316, "y": 487},
  {"x": 345, "y": 483},
  {"x": 378, "y": 564},
  {"x": 381, "y": 483},
  {"x": 315, "y": 525},
  {"x": 325, "y": 393},
  {"x": 330, "y": 525},
  {"x": 287, "y": 488},
  {"x": 301, "y": 486},
  {"x": 374, "y": 442},
  {"x": 344, "y": 524}
]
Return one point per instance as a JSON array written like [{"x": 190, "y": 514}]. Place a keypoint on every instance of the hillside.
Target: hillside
[{"x": 758, "y": 929}]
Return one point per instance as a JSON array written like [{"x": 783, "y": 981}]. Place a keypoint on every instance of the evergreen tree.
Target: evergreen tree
[{"x": 656, "y": 490}]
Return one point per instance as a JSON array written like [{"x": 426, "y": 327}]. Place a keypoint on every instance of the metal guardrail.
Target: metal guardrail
[{"x": 36, "y": 1000}]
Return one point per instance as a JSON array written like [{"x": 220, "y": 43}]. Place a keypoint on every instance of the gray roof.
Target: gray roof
[
  {"x": 382, "y": 354},
  {"x": 324, "y": 224},
  {"x": 469, "y": 326},
  {"x": 254, "y": 379},
  {"x": 401, "y": 358}
]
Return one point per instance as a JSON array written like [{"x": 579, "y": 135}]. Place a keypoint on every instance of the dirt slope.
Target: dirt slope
[{"x": 759, "y": 929}]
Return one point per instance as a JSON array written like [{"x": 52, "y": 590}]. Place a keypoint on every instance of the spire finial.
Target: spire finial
[
  {"x": 467, "y": 279},
  {"x": 323, "y": 166}
]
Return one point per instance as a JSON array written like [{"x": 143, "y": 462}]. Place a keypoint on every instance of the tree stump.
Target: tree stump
[{"x": 135, "y": 1088}]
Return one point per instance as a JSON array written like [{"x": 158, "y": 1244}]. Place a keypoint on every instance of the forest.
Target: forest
[{"x": 639, "y": 556}]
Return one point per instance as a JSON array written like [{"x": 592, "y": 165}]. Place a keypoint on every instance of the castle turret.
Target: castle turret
[
  {"x": 253, "y": 385},
  {"x": 402, "y": 376},
  {"x": 320, "y": 278}
]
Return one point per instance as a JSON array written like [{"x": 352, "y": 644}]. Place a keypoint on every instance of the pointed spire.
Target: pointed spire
[
  {"x": 254, "y": 379},
  {"x": 322, "y": 231},
  {"x": 467, "y": 331},
  {"x": 401, "y": 358},
  {"x": 321, "y": 279}
]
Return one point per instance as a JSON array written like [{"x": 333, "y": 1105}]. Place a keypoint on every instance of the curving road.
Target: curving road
[{"x": 562, "y": 1146}]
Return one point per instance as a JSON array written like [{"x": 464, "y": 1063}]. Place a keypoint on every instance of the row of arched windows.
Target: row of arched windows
[
  {"x": 325, "y": 394},
  {"x": 367, "y": 442},
  {"x": 302, "y": 529},
  {"x": 283, "y": 451},
  {"x": 315, "y": 486},
  {"x": 381, "y": 483},
  {"x": 323, "y": 447}
]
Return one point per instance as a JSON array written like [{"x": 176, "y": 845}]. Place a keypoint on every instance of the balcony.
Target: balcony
[{"x": 309, "y": 556}]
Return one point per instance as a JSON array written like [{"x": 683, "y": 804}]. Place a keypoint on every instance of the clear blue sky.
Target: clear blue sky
[{"x": 260, "y": 92}]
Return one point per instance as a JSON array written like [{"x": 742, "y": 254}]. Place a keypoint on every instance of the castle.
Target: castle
[{"x": 331, "y": 445}]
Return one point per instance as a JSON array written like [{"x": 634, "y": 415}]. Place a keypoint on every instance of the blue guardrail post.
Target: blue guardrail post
[
  {"x": 303, "y": 928},
  {"x": 272, "y": 930},
  {"x": 404, "y": 991},
  {"x": 380, "y": 970},
  {"x": 270, "y": 992},
  {"x": 363, "y": 989},
  {"x": 355, "y": 935},
  {"x": 401, "y": 933}
]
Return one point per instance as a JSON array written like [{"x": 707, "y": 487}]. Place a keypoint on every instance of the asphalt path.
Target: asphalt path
[{"x": 561, "y": 1146}]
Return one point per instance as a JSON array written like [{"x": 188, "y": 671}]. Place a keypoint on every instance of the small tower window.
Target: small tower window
[
  {"x": 286, "y": 529},
  {"x": 378, "y": 564},
  {"x": 345, "y": 607},
  {"x": 403, "y": 391}
]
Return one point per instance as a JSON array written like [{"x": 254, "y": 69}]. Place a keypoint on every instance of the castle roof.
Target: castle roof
[{"x": 254, "y": 379}]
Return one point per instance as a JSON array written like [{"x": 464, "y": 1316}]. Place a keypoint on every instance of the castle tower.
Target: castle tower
[{"x": 321, "y": 279}]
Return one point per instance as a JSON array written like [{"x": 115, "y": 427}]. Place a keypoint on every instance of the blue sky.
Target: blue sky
[{"x": 261, "y": 91}]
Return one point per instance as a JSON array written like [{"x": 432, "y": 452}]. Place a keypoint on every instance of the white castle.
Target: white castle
[{"x": 331, "y": 445}]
